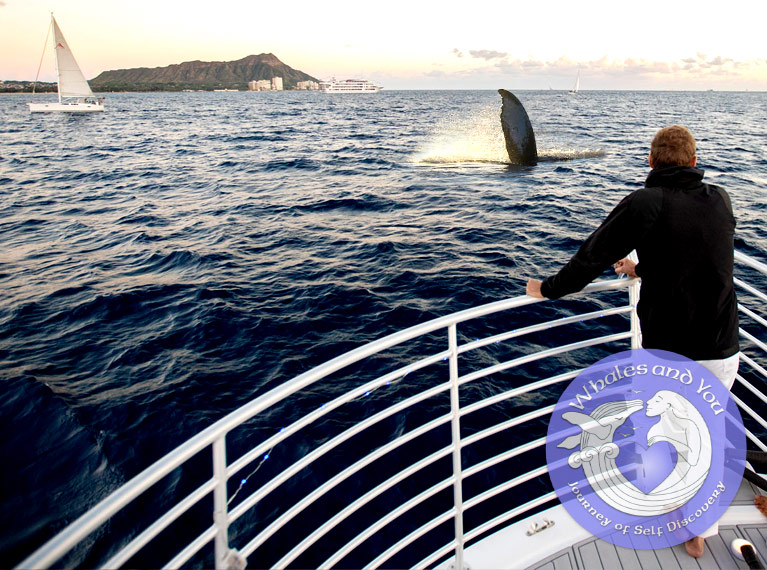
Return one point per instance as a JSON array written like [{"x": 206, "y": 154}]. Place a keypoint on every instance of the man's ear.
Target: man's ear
[
  {"x": 649, "y": 160},
  {"x": 694, "y": 160}
]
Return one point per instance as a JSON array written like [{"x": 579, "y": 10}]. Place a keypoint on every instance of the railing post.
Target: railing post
[
  {"x": 455, "y": 407},
  {"x": 636, "y": 332},
  {"x": 220, "y": 514}
]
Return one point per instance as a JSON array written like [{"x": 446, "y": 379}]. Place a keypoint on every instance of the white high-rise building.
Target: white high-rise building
[{"x": 276, "y": 83}]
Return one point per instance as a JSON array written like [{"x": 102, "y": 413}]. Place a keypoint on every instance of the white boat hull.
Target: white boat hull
[
  {"x": 376, "y": 90},
  {"x": 66, "y": 107},
  {"x": 349, "y": 86}
]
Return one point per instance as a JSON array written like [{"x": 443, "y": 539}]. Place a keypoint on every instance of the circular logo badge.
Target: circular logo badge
[{"x": 646, "y": 449}]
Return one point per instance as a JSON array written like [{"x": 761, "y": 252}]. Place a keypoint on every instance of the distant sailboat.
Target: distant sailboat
[
  {"x": 75, "y": 95},
  {"x": 574, "y": 90}
]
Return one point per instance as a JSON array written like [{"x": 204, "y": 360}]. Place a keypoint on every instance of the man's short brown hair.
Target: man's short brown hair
[{"x": 672, "y": 146}]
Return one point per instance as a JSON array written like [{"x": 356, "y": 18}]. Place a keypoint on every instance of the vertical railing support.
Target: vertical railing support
[
  {"x": 636, "y": 331},
  {"x": 220, "y": 514},
  {"x": 455, "y": 408}
]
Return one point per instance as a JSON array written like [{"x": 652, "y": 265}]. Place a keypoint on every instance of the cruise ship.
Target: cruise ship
[{"x": 349, "y": 86}]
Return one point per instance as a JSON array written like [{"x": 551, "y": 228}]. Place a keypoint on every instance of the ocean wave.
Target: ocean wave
[
  {"x": 166, "y": 263},
  {"x": 290, "y": 164}
]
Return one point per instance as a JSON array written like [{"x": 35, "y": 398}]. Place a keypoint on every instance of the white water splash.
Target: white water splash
[
  {"x": 478, "y": 137},
  {"x": 553, "y": 154},
  {"x": 459, "y": 138}
]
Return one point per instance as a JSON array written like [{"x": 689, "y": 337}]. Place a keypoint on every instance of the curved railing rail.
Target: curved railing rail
[{"x": 223, "y": 473}]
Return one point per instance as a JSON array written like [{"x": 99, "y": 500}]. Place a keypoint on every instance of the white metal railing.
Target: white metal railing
[{"x": 214, "y": 438}]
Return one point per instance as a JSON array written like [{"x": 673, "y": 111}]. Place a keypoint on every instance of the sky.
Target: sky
[{"x": 412, "y": 44}]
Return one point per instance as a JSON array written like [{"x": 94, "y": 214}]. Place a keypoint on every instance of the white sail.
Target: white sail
[
  {"x": 75, "y": 95},
  {"x": 577, "y": 83},
  {"x": 72, "y": 83}
]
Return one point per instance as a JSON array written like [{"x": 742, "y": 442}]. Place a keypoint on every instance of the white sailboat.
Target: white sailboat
[
  {"x": 574, "y": 90},
  {"x": 75, "y": 95}
]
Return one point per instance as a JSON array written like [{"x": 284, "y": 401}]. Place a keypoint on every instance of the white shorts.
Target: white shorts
[{"x": 725, "y": 369}]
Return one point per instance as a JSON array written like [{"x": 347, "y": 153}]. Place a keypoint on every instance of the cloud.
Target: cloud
[
  {"x": 643, "y": 66},
  {"x": 487, "y": 54},
  {"x": 487, "y": 66},
  {"x": 509, "y": 68},
  {"x": 2, "y": 4},
  {"x": 719, "y": 60},
  {"x": 457, "y": 52}
]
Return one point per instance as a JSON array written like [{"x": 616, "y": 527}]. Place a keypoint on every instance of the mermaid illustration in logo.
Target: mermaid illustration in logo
[{"x": 680, "y": 425}]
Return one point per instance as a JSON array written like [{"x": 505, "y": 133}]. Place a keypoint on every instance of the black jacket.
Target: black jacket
[{"x": 683, "y": 231}]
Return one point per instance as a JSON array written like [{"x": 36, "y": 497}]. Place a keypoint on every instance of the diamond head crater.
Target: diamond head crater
[
  {"x": 205, "y": 75},
  {"x": 190, "y": 75}
]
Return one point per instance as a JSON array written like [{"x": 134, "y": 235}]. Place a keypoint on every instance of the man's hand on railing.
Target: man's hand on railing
[
  {"x": 625, "y": 267},
  {"x": 534, "y": 288}
]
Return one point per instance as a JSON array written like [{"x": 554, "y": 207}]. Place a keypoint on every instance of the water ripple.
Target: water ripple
[{"x": 170, "y": 259}]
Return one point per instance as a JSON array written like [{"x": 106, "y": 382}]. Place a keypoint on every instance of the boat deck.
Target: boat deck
[
  {"x": 512, "y": 548},
  {"x": 595, "y": 554}
]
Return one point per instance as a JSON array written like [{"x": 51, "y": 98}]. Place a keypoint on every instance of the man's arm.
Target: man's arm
[{"x": 617, "y": 235}]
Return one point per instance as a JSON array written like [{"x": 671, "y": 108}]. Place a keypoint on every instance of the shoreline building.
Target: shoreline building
[
  {"x": 275, "y": 84},
  {"x": 260, "y": 85}
]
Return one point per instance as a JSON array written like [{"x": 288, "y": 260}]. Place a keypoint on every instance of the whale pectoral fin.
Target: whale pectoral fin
[
  {"x": 570, "y": 442},
  {"x": 517, "y": 130}
]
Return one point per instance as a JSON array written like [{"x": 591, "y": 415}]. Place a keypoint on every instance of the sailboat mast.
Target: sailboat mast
[{"x": 56, "y": 56}]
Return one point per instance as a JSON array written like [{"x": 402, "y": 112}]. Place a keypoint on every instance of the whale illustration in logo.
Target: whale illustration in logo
[
  {"x": 680, "y": 425},
  {"x": 599, "y": 427}
]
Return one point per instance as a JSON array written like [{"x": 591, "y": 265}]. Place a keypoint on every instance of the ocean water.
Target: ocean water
[{"x": 166, "y": 261}]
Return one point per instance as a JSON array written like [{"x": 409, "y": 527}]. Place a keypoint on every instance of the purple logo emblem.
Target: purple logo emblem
[{"x": 646, "y": 449}]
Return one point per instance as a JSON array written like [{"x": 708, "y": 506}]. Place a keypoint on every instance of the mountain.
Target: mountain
[{"x": 200, "y": 75}]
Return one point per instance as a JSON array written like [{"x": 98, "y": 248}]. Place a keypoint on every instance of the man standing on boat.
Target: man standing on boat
[{"x": 683, "y": 231}]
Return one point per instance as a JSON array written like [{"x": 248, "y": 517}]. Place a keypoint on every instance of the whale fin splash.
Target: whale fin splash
[{"x": 517, "y": 131}]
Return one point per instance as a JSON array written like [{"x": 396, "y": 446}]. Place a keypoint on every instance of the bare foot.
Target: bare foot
[
  {"x": 694, "y": 547},
  {"x": 761, "y": 503}
]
